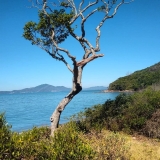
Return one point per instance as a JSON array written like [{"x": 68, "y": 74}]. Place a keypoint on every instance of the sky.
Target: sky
[{"x": 130, "y": 42}]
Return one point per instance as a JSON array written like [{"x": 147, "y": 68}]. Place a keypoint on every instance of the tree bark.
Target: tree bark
[{"x": 76, "y": 88}]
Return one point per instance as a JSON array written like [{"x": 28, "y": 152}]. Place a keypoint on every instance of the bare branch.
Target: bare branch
[
  {"x": 44, "y": 7},
  {"x": 80, "y": 5},
  {"x": 85, "y": 61},
  {"x": 60, "y": 58},
  {"x": 129, "y": 2},
  {"x": 115, "y": 10},
  {"x": 84, "y": 20},
  {"x": 89, "y": 5},
  {"x": 81, "y": 11},
  {"x": 117, "y": 7},
  {"x": 62, "y": 49},
  {"x": 84, "y": 41},
  {"x": 79, "y": 39},
  {"x": 33, "y": 5},
  {"x": 68, "y": 66},
  {"x": 106, "y": 6},
  {"x": 104, "y": 19},
  {"x": 90, "y": 46},
  {"x": 73, "y": 6}
]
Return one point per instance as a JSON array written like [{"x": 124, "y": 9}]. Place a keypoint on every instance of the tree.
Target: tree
[{"x": 56, "y": 23}]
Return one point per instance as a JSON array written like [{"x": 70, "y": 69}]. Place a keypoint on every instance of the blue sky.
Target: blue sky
[{"x": 130, "y": 42}]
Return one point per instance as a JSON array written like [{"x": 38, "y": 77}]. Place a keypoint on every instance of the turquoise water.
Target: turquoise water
[{"x": 23, "y": 111}]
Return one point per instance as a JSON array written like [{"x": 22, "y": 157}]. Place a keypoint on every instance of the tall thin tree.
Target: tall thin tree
[{"x": 56, "y": 23}]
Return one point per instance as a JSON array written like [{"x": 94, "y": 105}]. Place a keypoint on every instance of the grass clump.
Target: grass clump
[
  {"x": 110, "y": 145},
  {"x": 69, "y": 143}
]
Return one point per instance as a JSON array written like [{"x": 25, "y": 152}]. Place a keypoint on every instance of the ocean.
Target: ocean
[{"x": 24, "y": 111}]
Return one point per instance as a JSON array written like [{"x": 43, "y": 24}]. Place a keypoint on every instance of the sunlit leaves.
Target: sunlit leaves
[
  {"x": 29, "y": 28},
  {"x": 107, "y": 6},
  {"x": 101, "y": 8},
  {"x": 64, "y": 4},
  {"x": 56, "y": 22}
]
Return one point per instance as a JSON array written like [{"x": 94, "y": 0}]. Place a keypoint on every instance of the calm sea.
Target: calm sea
[{"x": 23, "y": 111}]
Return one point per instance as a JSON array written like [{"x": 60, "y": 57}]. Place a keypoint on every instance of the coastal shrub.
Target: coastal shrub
[
  {"x": 152, "y": 127},
  {"x": 128, "y": 112},
  {"x": 33, "y": 144},
  {"x": 69, "y": 143},
  {"x": 6, "y": 143},
  {"x": 36, "y": 144},
  {"x": 105, "y": 115}
]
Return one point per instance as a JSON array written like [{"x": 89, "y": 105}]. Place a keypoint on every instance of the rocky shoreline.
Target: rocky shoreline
[{"x": 111, "y": 91}]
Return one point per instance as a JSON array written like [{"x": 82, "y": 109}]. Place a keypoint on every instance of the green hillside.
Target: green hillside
[{"x": 138, "y": 80}]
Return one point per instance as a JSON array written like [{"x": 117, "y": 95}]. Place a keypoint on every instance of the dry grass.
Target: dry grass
[
  {"x": 118, "y": 146},
  {"x": 143, "y": 148}
]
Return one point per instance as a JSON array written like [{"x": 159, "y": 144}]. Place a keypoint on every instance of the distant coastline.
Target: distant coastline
[
  {"x": 47, "y": 88},
  {"x": 111, "y": 91}
]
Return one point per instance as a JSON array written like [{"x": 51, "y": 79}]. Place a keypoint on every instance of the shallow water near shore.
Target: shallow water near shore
[{"x": 23, "y": 111}]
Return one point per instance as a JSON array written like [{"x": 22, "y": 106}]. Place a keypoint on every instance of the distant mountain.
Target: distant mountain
[
  {"x": 96, "y": 88},
  {"x": 48, "y": 88},
  {"x": 138, "y": 80},
  {"x": 40, "y": 88}
]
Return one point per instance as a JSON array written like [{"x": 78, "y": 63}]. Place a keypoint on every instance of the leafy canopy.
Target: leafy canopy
[{"x": 40, "y": 33}]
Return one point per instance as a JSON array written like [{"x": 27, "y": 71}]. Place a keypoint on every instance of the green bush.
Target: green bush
[
  {"x": 36, "y": 144},
  {"x": 33, "y": 144},
  {"x": 68, "y": 143},
  {"x": 128, "y": 112},
  {"x": 6, "y": 143}
]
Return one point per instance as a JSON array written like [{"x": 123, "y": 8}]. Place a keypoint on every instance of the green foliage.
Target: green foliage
[
  {"x": 69, "y": 144},
  {"x": 138, "y": 80},
  {"x": 6, "y": 143},
  {"x": 64, "y": 4},
  {"x": 127, "y": 112},
  {"x": 33, "y": 144},
  {"x": 40, "y": 33},
  {"x": 36, "y": 144}
]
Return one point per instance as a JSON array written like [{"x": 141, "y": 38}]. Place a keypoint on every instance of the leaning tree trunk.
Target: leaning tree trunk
[{"x": 76, "y": 88}]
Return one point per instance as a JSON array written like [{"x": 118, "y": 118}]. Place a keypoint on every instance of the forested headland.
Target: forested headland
[{"x": 138, "y": 80}]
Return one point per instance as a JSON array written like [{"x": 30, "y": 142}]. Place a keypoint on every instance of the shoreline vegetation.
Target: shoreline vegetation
[{"x": 125, "y": 128}]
